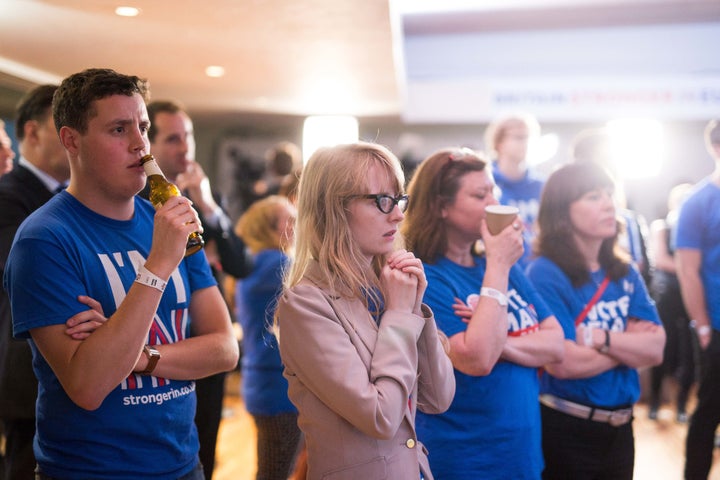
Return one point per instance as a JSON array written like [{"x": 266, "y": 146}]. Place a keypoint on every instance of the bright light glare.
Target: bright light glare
[
  {"x": 214, "y": 71},
  {"x": 328, "y": 130},
  {"x": 127, "y": 11},
  {"x": 543, "y": 148},
  {"x": 637, "y": 147}
]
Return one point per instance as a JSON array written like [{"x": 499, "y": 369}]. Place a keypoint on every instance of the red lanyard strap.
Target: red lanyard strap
[{"x": 601, "y": 288}]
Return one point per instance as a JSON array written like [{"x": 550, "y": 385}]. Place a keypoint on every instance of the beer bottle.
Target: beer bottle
[{"x": 160, "y": 191}]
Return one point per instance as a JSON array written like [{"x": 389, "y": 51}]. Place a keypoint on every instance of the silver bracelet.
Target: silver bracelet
[{"x": 146, "y": 277}]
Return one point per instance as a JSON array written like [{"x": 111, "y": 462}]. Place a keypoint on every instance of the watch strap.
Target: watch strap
[
  {"x": 153, "y": 356},
  {"x": 605, "y": 348}
]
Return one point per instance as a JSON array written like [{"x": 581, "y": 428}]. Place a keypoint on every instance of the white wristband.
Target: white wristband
[
  {"x": 496, "y": 294},
  {"x": 701, "y": 330},
  {"x": 146, "y": 277}
]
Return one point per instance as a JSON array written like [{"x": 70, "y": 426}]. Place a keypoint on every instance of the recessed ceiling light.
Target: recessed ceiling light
[
  {"x": 214, "y": 71},
  {"x": 127, "y": 11}
]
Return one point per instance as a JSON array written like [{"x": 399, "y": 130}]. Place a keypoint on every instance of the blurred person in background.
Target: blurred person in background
[
  {"x": 500, "y": 329},
  {"x": 267, "y": 228},
  {"x": 610, "y": 324},
  {"x": 172, "y": 143},
  {"x": 507, "y": 141},
  {"x": 594, "y": 145},
  {"x": 282, "y": 161},
  {"x": 679, "y": 356},
  {"x": 42, "y": 171},
  {"x": 6, "y": 152},
  {"x": 697, "y": 253}
]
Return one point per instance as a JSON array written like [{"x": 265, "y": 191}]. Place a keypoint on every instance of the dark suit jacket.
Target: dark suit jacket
[{"x": 21, "y": 193}]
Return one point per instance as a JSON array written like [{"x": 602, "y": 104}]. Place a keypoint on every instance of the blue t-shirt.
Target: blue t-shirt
[
  {"x": 525, "y": 195},
  {"x": 622, "y": 299},
  {"x": 698, "y": 228},
  {"x": 264, "y": 388},
  {"x": 492, "y": 428},
  {"x": 630, "y": 238},
  {"x": 144, "y": 428}
]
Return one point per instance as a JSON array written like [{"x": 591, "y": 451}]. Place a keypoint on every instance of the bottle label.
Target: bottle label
[{"x": 151, "y": 168}]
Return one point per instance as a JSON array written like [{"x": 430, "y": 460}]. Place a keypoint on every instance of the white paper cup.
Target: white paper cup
[{"x": 500, "y": 216}]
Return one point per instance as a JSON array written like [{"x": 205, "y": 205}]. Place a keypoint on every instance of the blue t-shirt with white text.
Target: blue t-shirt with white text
[
  {"x": 145, "y": 427},
  {"x": 492, "y": 428},
  {"x": 622, "y": 300}
]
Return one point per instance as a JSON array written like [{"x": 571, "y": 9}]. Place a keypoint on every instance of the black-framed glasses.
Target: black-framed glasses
[{"x": 385, "y": 203}]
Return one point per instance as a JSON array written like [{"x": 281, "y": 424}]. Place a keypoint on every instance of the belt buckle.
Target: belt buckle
[{"x": 618, "y": 418}]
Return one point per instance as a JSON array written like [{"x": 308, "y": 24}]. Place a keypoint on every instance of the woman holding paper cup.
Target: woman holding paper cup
[
  {"x": 499, "y": 328},
  {"x": 610, "y": 323}
]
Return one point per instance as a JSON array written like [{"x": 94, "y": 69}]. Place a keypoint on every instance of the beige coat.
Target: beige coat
[{"x": 357, "y": 386}]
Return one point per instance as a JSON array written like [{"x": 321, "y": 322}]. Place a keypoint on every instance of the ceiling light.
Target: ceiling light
[
  {"x": 214, "y": 71},
  {"x": 127, "y": 11}
]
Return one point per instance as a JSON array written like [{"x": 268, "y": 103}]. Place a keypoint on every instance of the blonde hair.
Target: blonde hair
[
  {"x": 258, "y": 226},
  {"x": 329, "y": 180},
  {"x": 499, "y": 127}
]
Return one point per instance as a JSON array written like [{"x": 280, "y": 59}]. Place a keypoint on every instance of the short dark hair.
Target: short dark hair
[
  {"x": 284, "y": 158},
  {"x": 34, "y": 105},
  {"x": 161, "y": 106},
  {"x": 73, "y": 103}
]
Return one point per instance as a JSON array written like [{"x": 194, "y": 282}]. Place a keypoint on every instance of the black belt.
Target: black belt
[{"x": 615, "y": 418}]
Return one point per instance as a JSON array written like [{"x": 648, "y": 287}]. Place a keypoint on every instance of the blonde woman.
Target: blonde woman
[
  {"x": 361, "y": 351},
  {"x": 267, "y": 230}
]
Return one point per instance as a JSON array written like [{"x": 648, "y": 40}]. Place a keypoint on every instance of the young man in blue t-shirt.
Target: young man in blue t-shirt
[
  {"x": 697, "y": 254},
  {"x": 116, "y": 395}
]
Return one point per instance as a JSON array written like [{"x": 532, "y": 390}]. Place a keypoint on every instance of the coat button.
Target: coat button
[{"x": 410, "y": 443}]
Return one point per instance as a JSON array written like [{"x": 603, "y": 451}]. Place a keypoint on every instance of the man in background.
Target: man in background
[
  {"x": 42, "y": 170},
  {"x": 697, "y": 250},
  {"x": 172, "y": 143},
  {"x": 507, "y": 140},
  {"x": 6, "y": 152}
]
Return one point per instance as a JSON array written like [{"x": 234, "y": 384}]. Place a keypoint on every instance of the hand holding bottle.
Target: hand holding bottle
[
  {"x": 161, "y": 190},
  {"x": 174, "y": 221}
]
